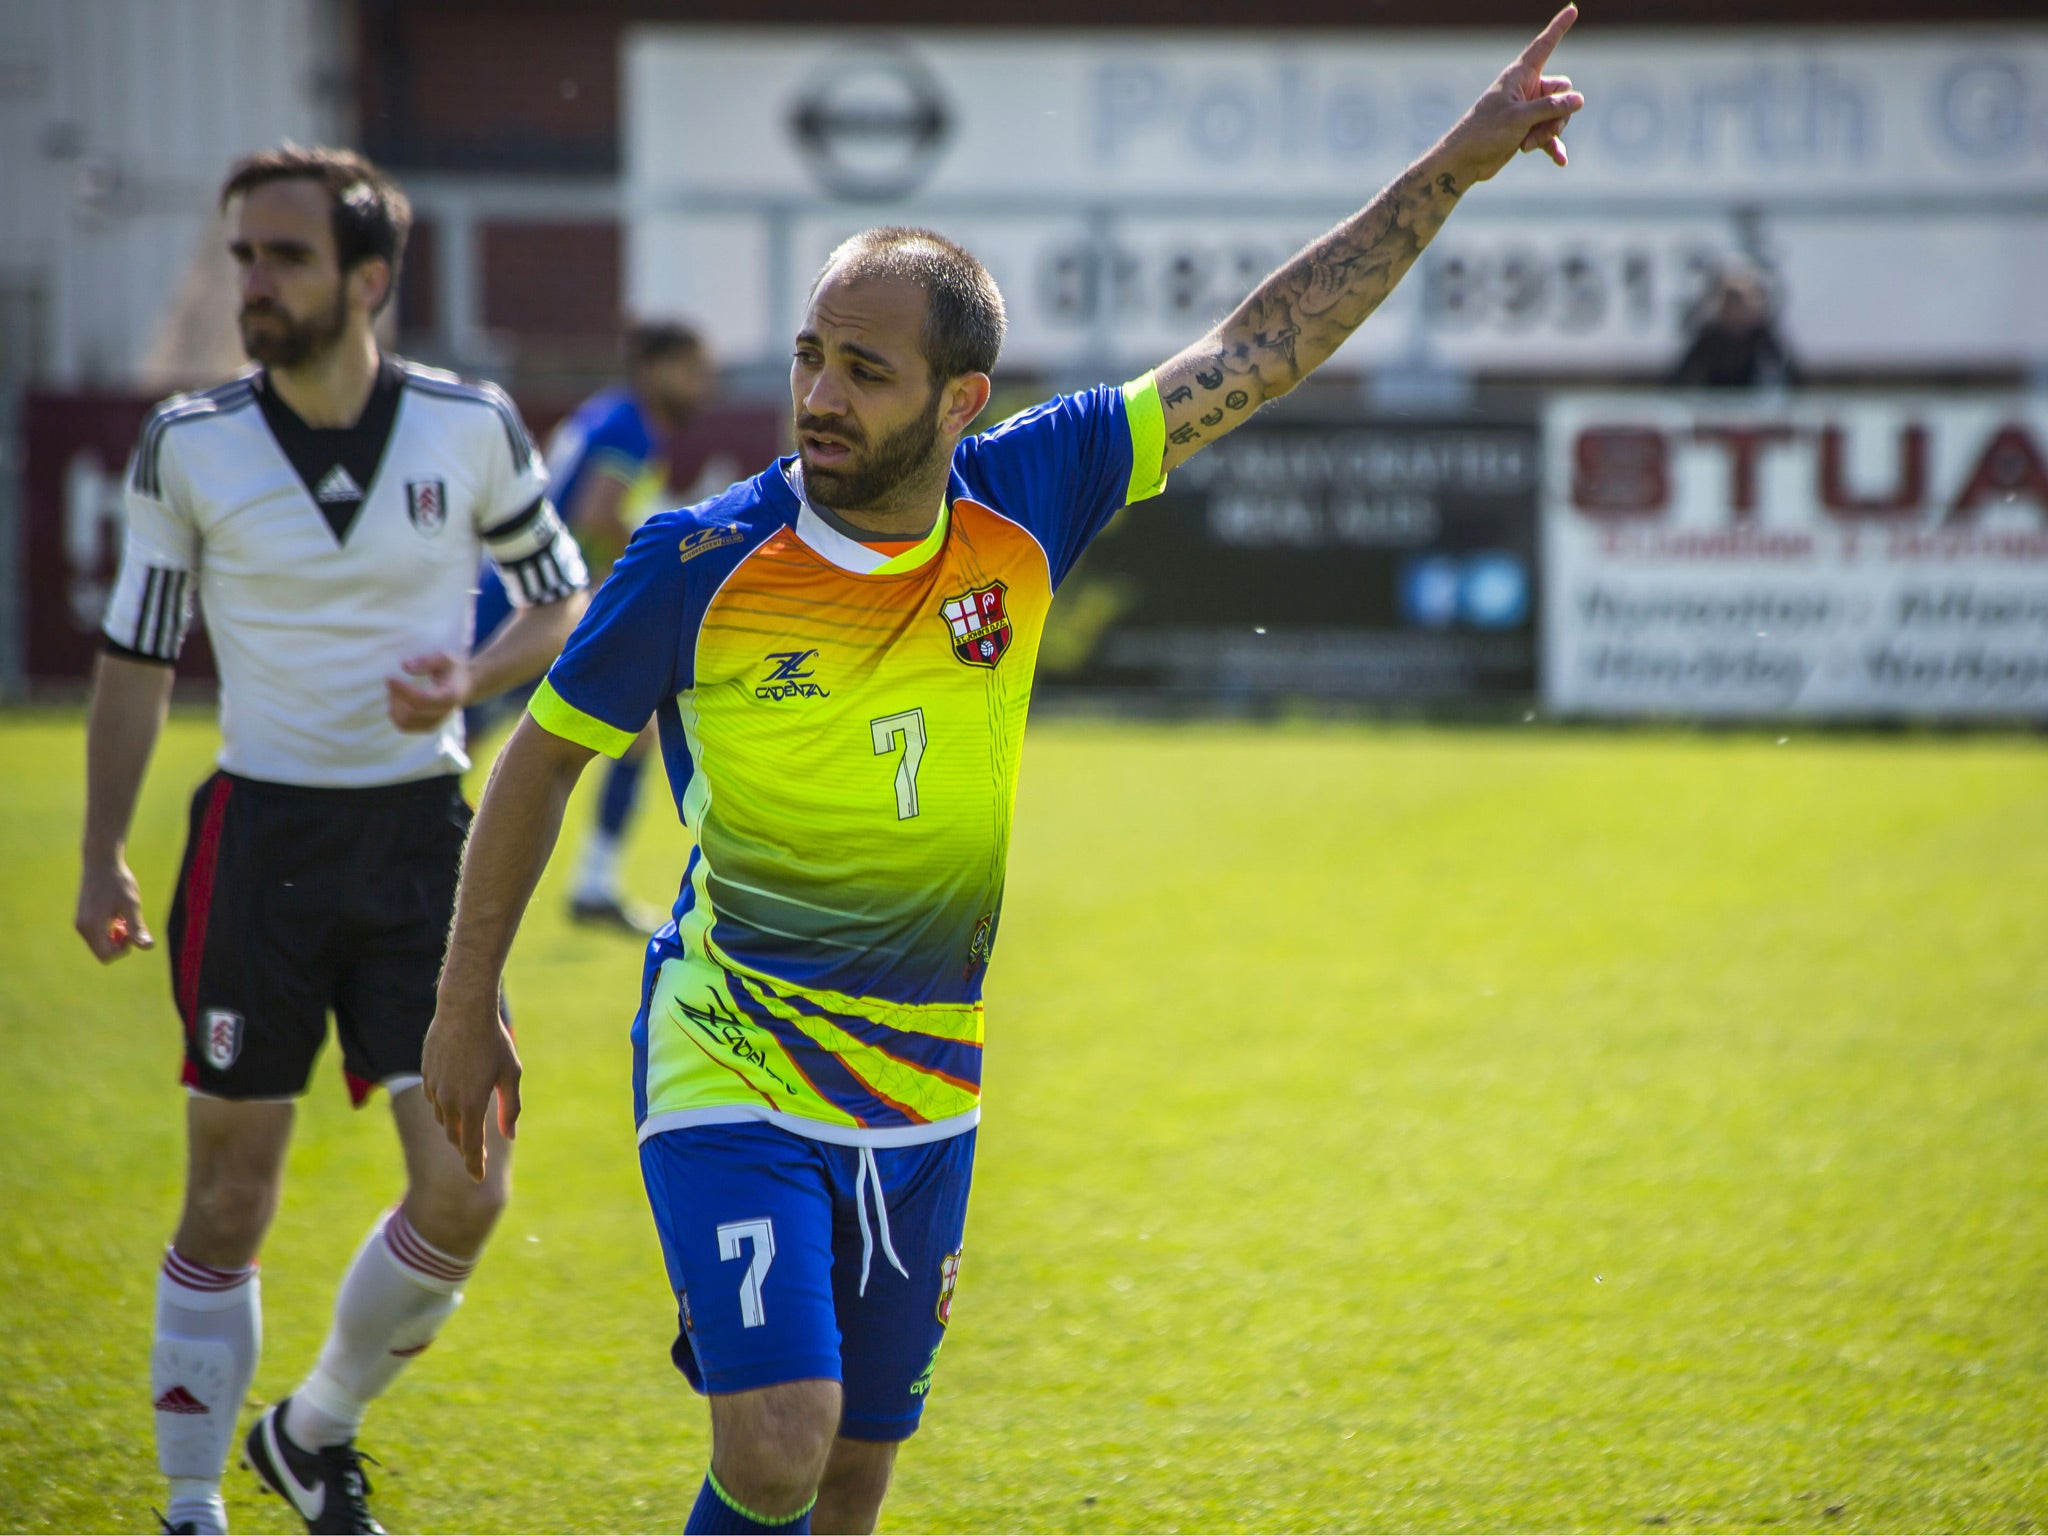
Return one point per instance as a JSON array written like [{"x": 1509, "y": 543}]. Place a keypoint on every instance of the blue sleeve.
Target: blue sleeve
[
  {"x": 628, "y": 652},
  {"x": 1064, "y": 468},
  {"x": 621, "y": 433}
]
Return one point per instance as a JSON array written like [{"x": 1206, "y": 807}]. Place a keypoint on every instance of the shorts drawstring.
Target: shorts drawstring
[{"x": 869, "y": 1168}]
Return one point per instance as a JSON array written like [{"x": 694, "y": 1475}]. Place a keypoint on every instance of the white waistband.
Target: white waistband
[{"x": 816, "y": 1130}]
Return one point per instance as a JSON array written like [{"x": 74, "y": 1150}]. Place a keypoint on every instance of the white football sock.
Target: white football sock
[
  {"x": 597, "y": 868},
  {"x": 396, "y": 1295},
  {"x": 209, "y": 1331}
]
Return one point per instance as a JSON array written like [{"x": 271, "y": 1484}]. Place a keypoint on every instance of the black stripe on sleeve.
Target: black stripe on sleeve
[
  {"x": 541, "y": 577},
  {"x": 158, "y": 632},
  {"x": 170, "y": 619},
  {"x": 114, "y": 647},
  {"x": 518, "y": 522},
  {"x": 149, "y": 589}
]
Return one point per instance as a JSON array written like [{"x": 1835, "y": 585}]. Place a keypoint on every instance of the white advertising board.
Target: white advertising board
[
  {"x": 1814, "y": 556},
  {"x": 1127, "y": 189}
]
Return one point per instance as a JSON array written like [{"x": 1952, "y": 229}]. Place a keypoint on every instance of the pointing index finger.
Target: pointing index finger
[{"x": 1538, "y": 53}]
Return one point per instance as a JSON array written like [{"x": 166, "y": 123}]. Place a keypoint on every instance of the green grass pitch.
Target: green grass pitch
[{"x": 1388, "y": 1128}]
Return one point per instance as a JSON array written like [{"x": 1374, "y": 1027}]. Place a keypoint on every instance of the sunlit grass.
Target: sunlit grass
[{"x": 1386, "y": 1128}]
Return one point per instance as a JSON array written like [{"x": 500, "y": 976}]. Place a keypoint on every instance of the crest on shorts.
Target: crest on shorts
[
  {"x": 220, "y": 1037},
  {"x": 979, "y": 623},
  {"x": 426, "y": 503},
  {"x": 949, "y": 1276}
]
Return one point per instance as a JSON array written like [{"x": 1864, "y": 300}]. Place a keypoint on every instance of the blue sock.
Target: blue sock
[
  {"x": 716, "y": 1514},
  {"x": 621, "y": 784}
]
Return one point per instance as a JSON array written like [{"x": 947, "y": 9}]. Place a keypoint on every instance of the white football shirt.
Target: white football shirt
[{"x": 322, "y": 558}]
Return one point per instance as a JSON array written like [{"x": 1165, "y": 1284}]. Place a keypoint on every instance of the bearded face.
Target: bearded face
[
  {"x": 867, "y": 472},
  {"x": 277, "y": 338}
]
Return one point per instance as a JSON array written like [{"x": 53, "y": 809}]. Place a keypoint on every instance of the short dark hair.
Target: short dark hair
[
  {"x": 371, "y": 216},
  {"x": 649, "y": 341},
  {"x": 964, "y": 319}
]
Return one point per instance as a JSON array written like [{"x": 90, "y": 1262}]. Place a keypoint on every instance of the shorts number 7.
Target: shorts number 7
[
  {"x": 907, "y": 728},
  {"x": 762, "y": 1235}
]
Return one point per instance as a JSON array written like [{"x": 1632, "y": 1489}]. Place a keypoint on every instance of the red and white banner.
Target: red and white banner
[{"x": 1810, "y": 555}]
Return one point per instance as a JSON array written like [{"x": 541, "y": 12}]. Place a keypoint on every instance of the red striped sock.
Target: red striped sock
[
  {"x": 202, "y": 1356},
  {"x": 203, "y": 1278},
  {"x": 393, "y": 1301},
  {"x": 429, "y": 1264}
]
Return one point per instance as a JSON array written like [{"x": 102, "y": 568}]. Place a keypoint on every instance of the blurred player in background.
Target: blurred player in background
[
  {"x": 607, "y": 462},
  {"x": 839, "y": 653},
  {"x": 330, "y": 509}
]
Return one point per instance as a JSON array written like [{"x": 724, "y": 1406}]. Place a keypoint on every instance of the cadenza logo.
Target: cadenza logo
[{"x": 790, "y": 677}]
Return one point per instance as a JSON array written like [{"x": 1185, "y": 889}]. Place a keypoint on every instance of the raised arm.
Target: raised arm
[{"x": 1296, "y": 318}]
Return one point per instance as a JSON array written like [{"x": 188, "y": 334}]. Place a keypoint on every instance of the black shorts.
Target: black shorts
[{"x": 294, "y": 901}]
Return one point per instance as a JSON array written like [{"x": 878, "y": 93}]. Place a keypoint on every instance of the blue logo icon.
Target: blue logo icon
[
  {"x": 1487, "y": 590},
  {"x": 1429, "y": 591}
]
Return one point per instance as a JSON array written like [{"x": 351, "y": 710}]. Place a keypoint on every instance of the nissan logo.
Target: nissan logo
[{"x": 871, "y": 123}]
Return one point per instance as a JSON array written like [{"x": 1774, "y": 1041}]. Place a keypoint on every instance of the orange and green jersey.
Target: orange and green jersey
[{"x": 842, "y": 728}]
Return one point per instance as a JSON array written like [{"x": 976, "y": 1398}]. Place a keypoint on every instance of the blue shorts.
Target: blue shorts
[{"x": 802, "y": 1260}]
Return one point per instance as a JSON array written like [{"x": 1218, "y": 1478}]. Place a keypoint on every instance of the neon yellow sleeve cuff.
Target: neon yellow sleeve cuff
[
  {"x": 557, "y": 716},
  {"x": 1148, "y": 438}
]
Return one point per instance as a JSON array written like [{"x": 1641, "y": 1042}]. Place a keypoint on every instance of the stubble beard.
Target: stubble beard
[
  {"x": 877, "y": 476},
  {"x": 290, "y": 341}
]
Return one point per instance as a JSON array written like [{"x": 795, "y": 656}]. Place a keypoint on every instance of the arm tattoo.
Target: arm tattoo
[{"x": 1301, "y": 314}]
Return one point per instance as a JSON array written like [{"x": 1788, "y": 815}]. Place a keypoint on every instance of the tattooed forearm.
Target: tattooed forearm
[{"x": 1300, "y": 315}]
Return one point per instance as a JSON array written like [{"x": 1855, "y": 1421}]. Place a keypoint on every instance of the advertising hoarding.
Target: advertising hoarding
[
  {"x": 1127, "y": 189},
  {"x": 1318, "y": 554},
  {"x": 1823, "y": 556}
]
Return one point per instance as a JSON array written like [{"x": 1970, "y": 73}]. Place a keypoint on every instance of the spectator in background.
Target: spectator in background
[
  {"x": 608, "y": 465},
  {"x": 1735, "y": 344}
]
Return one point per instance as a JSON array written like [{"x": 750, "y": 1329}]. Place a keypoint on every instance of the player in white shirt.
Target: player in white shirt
[{"x": 329, "y": 511}]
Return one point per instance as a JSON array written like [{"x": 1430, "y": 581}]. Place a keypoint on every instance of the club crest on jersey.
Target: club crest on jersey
[
  {"x": 790, "y": 677},
  {"x": 949, "y": 1276},
  {"x": 700, "y": 541},
  {"x": 426, "y": 503},
  {"x": 979, "y": 624},
  {"x": 220, "y": 1037},
  {"x": 982, "y": 945}
]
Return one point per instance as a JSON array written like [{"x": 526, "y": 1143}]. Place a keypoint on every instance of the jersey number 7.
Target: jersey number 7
[{"x": 906, "y": 729}]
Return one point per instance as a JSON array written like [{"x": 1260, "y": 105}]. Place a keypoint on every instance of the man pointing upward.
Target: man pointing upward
[{"x": 839, "y": 653}]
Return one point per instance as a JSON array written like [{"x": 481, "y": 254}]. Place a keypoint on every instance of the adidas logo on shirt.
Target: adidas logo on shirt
[{"x": 338, "y": 485}]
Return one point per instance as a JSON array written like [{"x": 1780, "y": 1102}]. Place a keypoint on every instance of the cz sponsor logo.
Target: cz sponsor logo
[
  {"x": 699, "y": 541},
  {"x": 220, "y": 1037},
  {"x": 426, "y": 503},
  {"x": 790, "y": 677},
  {"x": 978, "y": 623}
]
